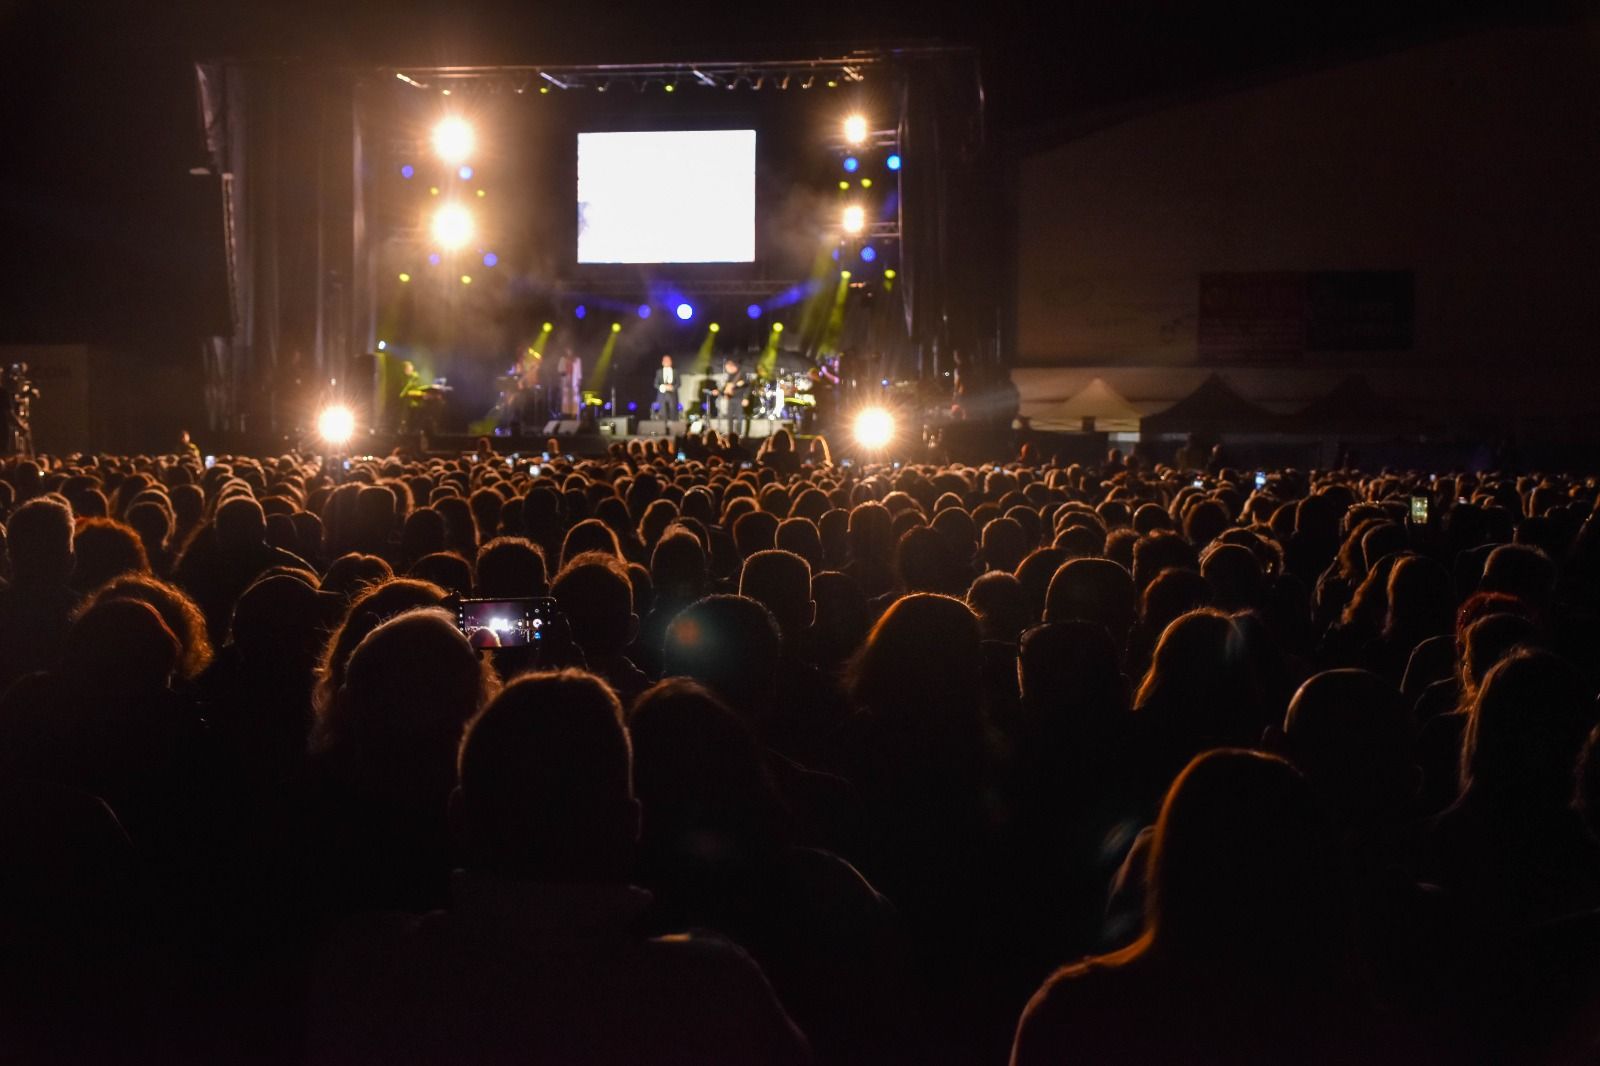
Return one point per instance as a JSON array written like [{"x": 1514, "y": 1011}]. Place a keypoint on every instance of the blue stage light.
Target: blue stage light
[
  {"x": 685, "y": 312},
  {"x": 754, "y": 310},
  {"x": 607, "y": 407},
  {"x": 465, "y": 173},
  {"x": 644, "y": 310},
  {"x": 408, "y": 171},
  {"x": 893, "y": 162},
  {"x": 836, "y": 255},
  {"x": 851, "y": 164},
  {"x": 580, "y": 311},
  {"x": 434, "y": 259},
  {"x": 868, "y": 254},
  {"x": 632, "y": 406},
  {"x": 490, "y": 259}
]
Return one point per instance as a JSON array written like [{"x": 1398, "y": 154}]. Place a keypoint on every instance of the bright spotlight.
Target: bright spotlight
[
  {"x": 854, "y": 219},
  {"x": 893, "y": 162},
  {"x": 855, "y": 129},
  {"x": 453, "y": 140},
  {"x": 336, "y": 425},
  {"x": 874, "y": 428},
  {"x": 685, "y": 312},
  {"x": 452, "y": 226}
]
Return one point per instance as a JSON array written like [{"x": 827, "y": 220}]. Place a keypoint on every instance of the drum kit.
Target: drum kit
[{"x": 785, "y": 396}]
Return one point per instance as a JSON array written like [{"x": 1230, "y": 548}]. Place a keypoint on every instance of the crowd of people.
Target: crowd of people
[{"x": 816, "y": 763}]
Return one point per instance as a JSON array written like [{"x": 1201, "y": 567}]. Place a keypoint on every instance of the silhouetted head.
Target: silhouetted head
[
  {"x": 512, "y": 566},
  {"x": 1069, "y": 678},
  {"x": 595, "y": 595},
  {"x": 366, "y": 612},
  {"x": 1244, "y": 871},
  {"x": 998, "y": 600},
  {"x": 277, "y": 623},
  {"x": 422, "y": 534},
  {"x": 731, "y": 645},
  {"x": 921, "y": 663},
  {"x": 241, "y": 524},
  {"x": 446, "y": 569},
  {"x": 871, "y": 534},
  {"x": 178, "y": 612},
  {"x": 701, "y": 777},
  {"x": 754, "y": 531},
  {"x": 121, "y": 647},
  {"x": 1234, "y": 575},
  {"x": 923, "y": 562},
  {"x": 1004, "y": 544},
  {"x": 1525, "y": 731},
  {"x": 800, "y": 536},
  {"x": 781, "y": 582},
  {"x": 1351, "y": 734},
  {"x": 1422, "y": 601},
  {"x": 39, "y": 538},
  {"x": 106, "y": 549},
  {"x": 1522, "y": 571},
  {"x": 1093, "y": 590},
  {"x": 545, "y": 787},
  {"x": 589, "y": 535},
  {"x": 678, "y": 566},
  {"x": 350, "y": 575},
  {"x": 408, "y": 690}
]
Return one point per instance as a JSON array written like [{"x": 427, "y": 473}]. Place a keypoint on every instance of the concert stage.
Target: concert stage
[
  {"x": 572, "y": 439},
  {"x": 480, "y": 224}
]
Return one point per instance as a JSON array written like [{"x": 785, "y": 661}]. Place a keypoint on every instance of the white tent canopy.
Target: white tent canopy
[{"x": 1096, "y": 400}]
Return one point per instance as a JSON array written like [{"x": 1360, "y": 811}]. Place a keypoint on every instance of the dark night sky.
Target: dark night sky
[{"x": 98, "y": 123}]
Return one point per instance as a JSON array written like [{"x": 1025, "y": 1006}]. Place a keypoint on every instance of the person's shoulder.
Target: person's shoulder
[{"x": 1074, "y": 1001}]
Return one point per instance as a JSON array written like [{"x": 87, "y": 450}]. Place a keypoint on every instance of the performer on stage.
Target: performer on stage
[
  {"x": 665, "y": 400},
  {"x": 569, "y": 371},
  {"x": 410, "y": 397},
  {"x": 734, "y": 386}
]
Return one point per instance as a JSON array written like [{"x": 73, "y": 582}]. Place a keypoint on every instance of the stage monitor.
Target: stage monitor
[{"x": 679, "y": 196}]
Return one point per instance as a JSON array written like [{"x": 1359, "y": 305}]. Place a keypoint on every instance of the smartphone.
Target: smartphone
[
  {"x": 544, "y": 457},
  {"x": 1419, "y": 510},
  {"x": 568, "y": 457},
  {"x": 897, "y": 464},
  {"x": 682, "y": 457},
  {"x": 505, "y": 623},
  {"x": 746, "y": 465},
  {"x": 1199, "y": 483},
  {"x": 211, "y": 461},
  {"x": 1261, "y": 479},
  {"x": 347, "y": 465},
  {"x": 847, "y": 463},
  {"x": 533, "y": 469}
]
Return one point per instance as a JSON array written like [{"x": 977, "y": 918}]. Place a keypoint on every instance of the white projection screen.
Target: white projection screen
[{"x": 680, "y": 196}]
